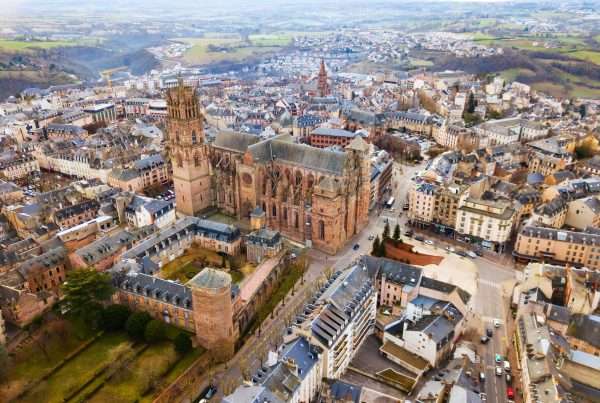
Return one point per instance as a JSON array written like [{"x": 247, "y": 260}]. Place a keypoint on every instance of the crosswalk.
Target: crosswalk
[{"x": 490, "y": 283}]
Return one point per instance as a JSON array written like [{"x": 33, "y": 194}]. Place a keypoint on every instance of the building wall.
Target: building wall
[
  {"x": 531, "y": 248},
  {"x": 580, "y": 216}
]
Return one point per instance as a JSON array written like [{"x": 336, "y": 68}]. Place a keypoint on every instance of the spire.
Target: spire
[{"x": 323, "y": 85}]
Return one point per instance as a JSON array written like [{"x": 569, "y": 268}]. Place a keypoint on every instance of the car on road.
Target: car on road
[
  {"x": 207, "y": 393},
  {"x": 461, "y": 253},
  {"x": 510, "y": 393},
  {"x": 489, "y": 332},
  {"x": 371, "y": 237},
  {"x": 408, "y": 233},
  {"x": 478, "y": 252},
  {"x": 450, "y": 249},
  {"x": 471, "y": 254},
  {"x": 498, "y": 371},
  {"x": 356, "y": 246},
  {"x": 429, "y": 242},
  {"x": 508, "y": 379},
  {"x": 419, "y": 238},
  {"x": 498, "y": 359},
  {"x": 484, "y": 339},
  {"x": 483, "y": 397},
  {"x": 482, "y": 376},
  {"x": 506, "y": 366},
  {"x": 497, "y": 323}
]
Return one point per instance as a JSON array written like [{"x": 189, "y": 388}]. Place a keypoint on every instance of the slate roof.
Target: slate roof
[
  {"x": 156, "y": 288},
  {"x": 76, "y": 209},
  {"x": 561, "y": 235},
  {"x": 210, "y": 278},
  {"x": 235, "y": 141},
  {"x": 586, "y": 328},
  {"x": 149, "y": 162},
  {"x": 325, "y": 131},
  {"x": 43, "y": 262}
]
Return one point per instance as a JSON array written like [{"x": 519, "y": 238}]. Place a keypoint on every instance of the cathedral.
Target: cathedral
[{"x": 310, "y": 195}]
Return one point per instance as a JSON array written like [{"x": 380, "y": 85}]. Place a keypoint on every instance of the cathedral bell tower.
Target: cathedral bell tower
[
  {"x": 322, "y": 84},
  {"x": 188, "y": 151}
]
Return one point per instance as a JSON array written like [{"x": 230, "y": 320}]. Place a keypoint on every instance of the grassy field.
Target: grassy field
[
  {"x": 588, "y": 55},
  {"x": 137, "y": 377},
  {"x": 25, "y": 46},
  {"x": 512, "y": 74},
  {"x": 31, "y": 363},
  {"x": 80, "y": 369},
  {"x": 231, "y": 48},
  {"x": 183, "y": 268}
]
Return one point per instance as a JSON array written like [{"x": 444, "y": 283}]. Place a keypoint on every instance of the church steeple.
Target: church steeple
[
  {"x": 187, "y": 150},
  {"x": 323, "y": 84}
]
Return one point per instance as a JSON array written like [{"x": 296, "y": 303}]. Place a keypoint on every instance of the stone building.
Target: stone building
[
  {"x": 310, "y": 195},
  {"x": 262, "y": 244}
]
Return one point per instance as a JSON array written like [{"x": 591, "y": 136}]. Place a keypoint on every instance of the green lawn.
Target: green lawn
[
  {"x": 512, "y": 74},
  {"x": 138, "y": 377},
  {"x": 233, "y": 48},
  {"x": 283, "y": 39},
  {"x": 25, "y": 46},
  {"x": 183, "y": 267},
  {"x": 31, "y": 363},
  {"x": 588, "y": 55},
  {"x": 80, "y": 369}
]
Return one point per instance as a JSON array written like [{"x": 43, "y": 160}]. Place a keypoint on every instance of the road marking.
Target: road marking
[{"x": 490, "y": 283}]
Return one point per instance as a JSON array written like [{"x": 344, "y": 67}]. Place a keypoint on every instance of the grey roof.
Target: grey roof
[
  {"x": 264, "y": 237},
  {"x": 235, "y": 141},
  {"x": 44, "y": 261},
  {"x": 446, "y": 288},
  {"x": 593, "y": 204},
  {"x": 211, "y": 278},
  {"x": 394, "y": 271},
  {"x": 77, "y": 209},
  {"x": 279, "y": 148},
  {"x": 149, "y": 162},
  {"x": 325, "y": 131},
  {"x": 345, "y": 392},
  {"x": 561, "y": 235},
  {"x": 559, "y": 314},
  {"x": 553, "y": 207},
  {"x": 156, "y": 288},
  {"x": 586, "y": 328},
  {"x": 437, "y": 327}
]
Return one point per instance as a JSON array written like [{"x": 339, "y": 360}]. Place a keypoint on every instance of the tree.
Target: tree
[
  {"x": 471, "y": 103},
  {"x": 183, "y": 343},
  {"x": 155, "y": 331},
  {"x": 136, "y": 325},
  {"x": 582, "y": 110},
  {"x": 84, "y": 292},
  {"x": 3, "y": 362},
  {"x": 114, "y": 317},
  {"x": 585, "y": 150},
  {"x": 376, "y": 249},
  {"x": 396, "y": 235},
  {"x": 386, "y": 232}
]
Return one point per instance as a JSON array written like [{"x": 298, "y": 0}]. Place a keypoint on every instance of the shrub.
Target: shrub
[
  {"x": 155, "y": 331},
  {"x": 136, "y": 325},
  {"x": 183, "y": 343},
  {"x": 114, "y": 317}
]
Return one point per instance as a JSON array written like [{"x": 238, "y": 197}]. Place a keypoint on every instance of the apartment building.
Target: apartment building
[
  {"x": 551, "y": 214},
  {"x": 538, "y": 244},
  {"x": 583, "y": 213},
  {"x": 263, "y": 244},
  {"x": 105, "y": 112},
  {"x": 421, "y": 203},
  {"x": 76, "y": 214},
  {"x": 323, "y": 137},
  {"x": 339, "y": 318},
  {"x": 486, "y": 222},
  {"x": 143, "y": 173},
  {"x": 62, "y": 132},
  {"x": 18, "y": 168},
  {"x": 46, "y": 272},
  {"x": 144, "y": 211}
]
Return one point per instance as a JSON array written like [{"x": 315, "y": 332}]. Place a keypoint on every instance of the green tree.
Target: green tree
[
  {"x": 396, "y": 235},
  {"x": 155, "y": 331},
  {"x": 3, "y": 362},
  {"x": 584, "y": 151},
  {"x": 375, "y": 250},
  {"x": 582, "y": 110},
  {"x": 471, "y": 103},
  {"x": 386, "y": 232},
  {"x": 183, "y": 343},
  {"x": 84, "y": 292},
  {"x": 114, "y": 317},
  {"x": 136, "y": 325}
]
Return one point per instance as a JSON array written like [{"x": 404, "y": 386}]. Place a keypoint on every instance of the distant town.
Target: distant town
[{"x": 331, "y": 213}]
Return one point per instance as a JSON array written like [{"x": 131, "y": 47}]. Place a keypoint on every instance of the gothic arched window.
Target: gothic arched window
[{"x": 194, "y": 139}]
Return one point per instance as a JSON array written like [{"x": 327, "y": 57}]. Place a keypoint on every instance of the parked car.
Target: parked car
[
  {"x": 498, "y": 359},
  {"x": 419, "y": 238},
  {"x": 371, "y": 237},
  {"x": 483, "y": 397},
  {"x": 498, "y": 371},
  {"x": 506, "y": 366},
  {"x": 356, "y": 246},
  {"x": 471, "y": 254},
  {"x": 208, "y": 393},
  {"x": 429, "y": 242},
  {"x": 478, "y": 252},
  {"x": 408, "y": 233},
  {"x": 497, "y": 323},
  {"x": 508, "y": 379},
  {"x": 482, "y": 376},
  {"x": 461, "y": 253},
  {"x": 489, "y": 332},
  {"x": 484, "y": 339}
]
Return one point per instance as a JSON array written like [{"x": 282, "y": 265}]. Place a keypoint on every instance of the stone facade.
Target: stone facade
[
  {"x": 188, "y": 151},
  {"x": 310, "y": 195}
]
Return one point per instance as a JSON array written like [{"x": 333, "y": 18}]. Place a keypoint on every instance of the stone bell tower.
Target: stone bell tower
[{"x": 188, "y": 151}]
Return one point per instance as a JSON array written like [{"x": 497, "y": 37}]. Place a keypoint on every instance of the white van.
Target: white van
[{"x": 506, "y": 366}]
